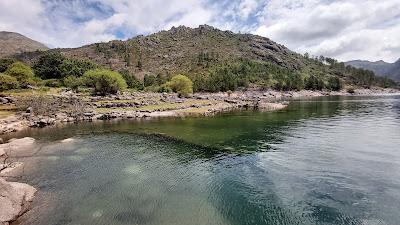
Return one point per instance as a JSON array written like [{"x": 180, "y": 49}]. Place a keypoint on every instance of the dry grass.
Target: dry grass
[{"x": 163, "y": 106}]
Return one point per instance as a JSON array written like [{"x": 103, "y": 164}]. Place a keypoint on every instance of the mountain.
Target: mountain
[
  {"x": 214, "y": 60},
  {"x": 380, "y": 68},
  {"x": 180, "y": 49},
  {"x": 13, "y": 43}
]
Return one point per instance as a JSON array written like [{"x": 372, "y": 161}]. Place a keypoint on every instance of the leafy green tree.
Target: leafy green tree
[
  {"x": 149, "y": 80},
  {"x": 104, "y": 81},
  {"x": 181, "y": 84},
  {"x": 22, "y": 72},
  {"x": 131, "y": 80},
  {"x": 49, "y": 66},
  {"x": 314, "y": 83},
  {"x": 75, "y": 67},
  {"x": 5, "y": 63},
  {"x": 8, "y": 82},
  {"x": 334, "y": 84}
]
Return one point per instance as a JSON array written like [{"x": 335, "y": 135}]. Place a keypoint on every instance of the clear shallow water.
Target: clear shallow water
[{"x": 320, "y": 161}]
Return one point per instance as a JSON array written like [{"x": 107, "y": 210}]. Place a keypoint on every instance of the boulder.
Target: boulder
[{"x": 15, "y": 199}]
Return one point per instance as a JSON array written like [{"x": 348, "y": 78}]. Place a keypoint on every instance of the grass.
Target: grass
[
  {"x": 7, "y": 110},
  {"x": 163, "y": 106},
  {"x": 29, "y": 92},
  {"x": 4, "y": 114},
  {"x": 204, "y": 109}
]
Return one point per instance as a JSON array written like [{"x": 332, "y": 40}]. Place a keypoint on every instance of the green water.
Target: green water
[{"x": 320, "y": 161}]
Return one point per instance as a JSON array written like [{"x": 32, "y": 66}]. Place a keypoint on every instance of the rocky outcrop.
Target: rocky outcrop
[{"x": 15, "y": 200}]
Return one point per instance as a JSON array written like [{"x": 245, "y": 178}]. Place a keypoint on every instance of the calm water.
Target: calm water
[{"x": 321, "y": 161}]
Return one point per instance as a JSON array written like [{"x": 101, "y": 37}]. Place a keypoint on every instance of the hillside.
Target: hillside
[
  {"x": 178, "y": 50},
  {"x": 380, "y": 68},
  {"x": 216, "y": 60},
  {"x": 13, "y": 43}
]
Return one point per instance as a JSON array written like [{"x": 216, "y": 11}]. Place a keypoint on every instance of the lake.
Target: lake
[{"x": 328, "y": 160}]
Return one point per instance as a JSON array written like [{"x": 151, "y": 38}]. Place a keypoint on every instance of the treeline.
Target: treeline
[
  {"x": 243, "y": 73},
  {"x": 55, "y": 70},
  {"x": 328, "y": 74},
  {"x": 355, "y": 76}
]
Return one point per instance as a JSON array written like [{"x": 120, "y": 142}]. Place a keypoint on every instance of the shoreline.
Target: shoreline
[{"x": 156, "y": 105}]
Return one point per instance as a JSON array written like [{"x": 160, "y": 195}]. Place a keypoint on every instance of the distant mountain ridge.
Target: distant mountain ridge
[
  {"x": 12, "y": 43},
  {"x": 380, "y": 68}
]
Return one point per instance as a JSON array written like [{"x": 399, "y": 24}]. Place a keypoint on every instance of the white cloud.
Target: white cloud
[
  {"x": 342, "y": 29},
  {"x": 351, "y": 29}
]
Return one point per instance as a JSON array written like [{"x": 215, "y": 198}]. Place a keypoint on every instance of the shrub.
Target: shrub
[
  {"x": 351, "y": 90},
  {"x": 104, "y": 81},
  {"x": 22, "y": 72},
  {"x": 52, "y": 83},
  {"x": 164, "y": 88},
  {"x": 181, "y": 84},
  {"x": 7, "y": 82},
  {"x": 72, "y": 82},
  {"x": 5, "y": 63},
  {"x": 49, "y": 66}
]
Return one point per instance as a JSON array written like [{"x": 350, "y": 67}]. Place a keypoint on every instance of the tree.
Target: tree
[
  {"x": 49, "y": 66},
  {"x": 7, "y": 82},
  {"x": 181, "y": 84},
  {"x": 334, "y": 84},
  {"x": 314, "y": 83},
  {"x": 149, "y": 80},
  {"x": 131, "y": 80},
  {"x": 5, "y": 63},
  {"x": 104, "y": 81},
  {"x": 22, "y": 72},
  {"x": 75, "y": 67}
]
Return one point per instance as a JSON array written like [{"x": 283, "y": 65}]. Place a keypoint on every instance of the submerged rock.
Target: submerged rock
[{"x": 15, "y": 199}]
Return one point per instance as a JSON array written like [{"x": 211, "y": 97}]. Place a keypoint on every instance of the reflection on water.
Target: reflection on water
[{"x": 320, "y": 161}]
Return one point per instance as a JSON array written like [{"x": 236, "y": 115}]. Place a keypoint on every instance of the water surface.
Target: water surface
[{"x": 331, "y": 160}]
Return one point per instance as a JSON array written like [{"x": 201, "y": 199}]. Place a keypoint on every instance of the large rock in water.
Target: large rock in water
[{"x": 15, "y": 199}]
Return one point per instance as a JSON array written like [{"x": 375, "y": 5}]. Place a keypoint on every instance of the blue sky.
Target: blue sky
[{"x": 344, "y": 29}]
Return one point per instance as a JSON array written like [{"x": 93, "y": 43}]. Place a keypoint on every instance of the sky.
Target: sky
[{"x": 343, "y": 29}]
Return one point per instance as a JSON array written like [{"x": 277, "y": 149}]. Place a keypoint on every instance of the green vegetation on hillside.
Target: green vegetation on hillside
[{"x": 212, "y": 60}]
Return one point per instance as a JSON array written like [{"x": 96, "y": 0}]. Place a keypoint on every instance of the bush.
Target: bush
[
  {"x": 52, "y": 83},
  {"x": 22, "y": 72},
  {"x": 351, "y": 90},
  {"x": 164, "y": 88},
  {"x": 181, "y": 84},
  {"x": 104, "y": 81},
  {"x": 72, "y": 82},
  {"x": 49, "y": 66},
  {"x": 5, "y": 63},
  {"x": 7, "y": 82}
]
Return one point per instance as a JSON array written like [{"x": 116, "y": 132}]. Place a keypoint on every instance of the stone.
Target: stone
[{"x": 15, "y": 200}]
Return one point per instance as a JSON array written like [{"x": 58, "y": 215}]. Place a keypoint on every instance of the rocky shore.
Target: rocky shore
[
  {"x": 15, "y": 198},
  {"x": 68, "y": 107}
]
